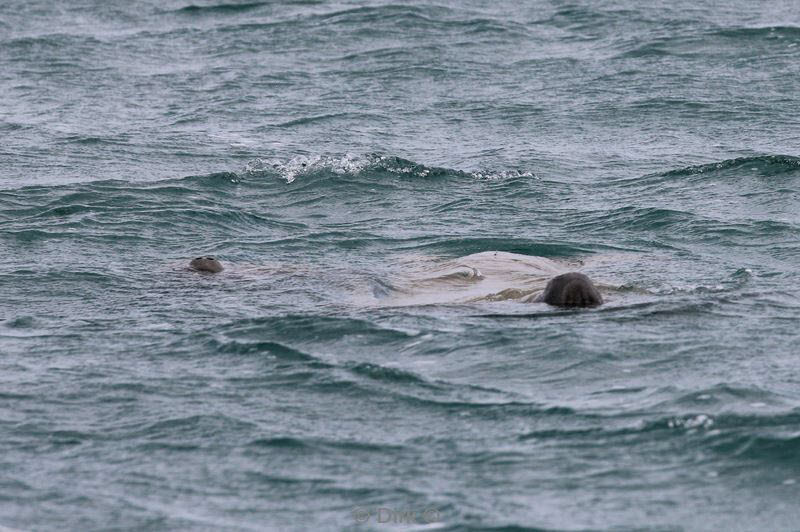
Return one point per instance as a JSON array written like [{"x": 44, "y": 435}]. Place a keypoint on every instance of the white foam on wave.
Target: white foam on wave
[
  {"x": 691, "y": 422},
  {"x": 353, "y": 164},
  {"x": 302, "y": 164}
]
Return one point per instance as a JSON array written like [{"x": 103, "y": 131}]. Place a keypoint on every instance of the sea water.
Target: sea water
[{"x": 348, "y": 369}]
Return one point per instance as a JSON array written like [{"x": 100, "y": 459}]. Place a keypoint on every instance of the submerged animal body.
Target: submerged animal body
[
  {"x": 489, "y": 276},
  {"x": 570, "y": 290},
  {"x": 206, "y": 264}
]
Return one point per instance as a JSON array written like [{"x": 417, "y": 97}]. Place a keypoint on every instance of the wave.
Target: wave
[
  {"x": 726, "y": 395},
  {"x": 668, "y": 222},
  {"x": 113, "y": 209},
  {"x": 721, "y": 438},
  {"x": 383, "y": 373},
  {"x": 311, "y": 120},
  {"x": 322, "y": 328},
  {"x": 458, "y": 247},
  {"x": 650, "y": 50},
  {"x": 372, "y": 15},
  {"x": 375, "y": 21},
  {"x": 224, "y": 200},
  {"x": 273, "y": 349},
  {"x": 697, "y": 43},
  {"x": 420, "y": 16},
  {"x": 306, "y": 444},
  {"x": 216, "y": 9},
  {"x": 200, "y": 426},
  {"x": 764, "y": 32},
  {"x": 369, "y": 168},
  {"x": 759, "y": 438},
  {"x": 57, "y": 41},
  {"x": 373, "y": 166},
  {"x": 765, "y": 165},
  {"x": 282, "y": 339}
]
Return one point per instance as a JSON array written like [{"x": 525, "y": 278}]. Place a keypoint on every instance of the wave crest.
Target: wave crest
[
  {"x": 766, "y": 165},
  {"x": 364, "y": 165}
]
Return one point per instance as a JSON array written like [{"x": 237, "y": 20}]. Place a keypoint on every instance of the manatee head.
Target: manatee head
[
  {"x": 206, "y": 264},
  {"x": 571, "y": 290}
]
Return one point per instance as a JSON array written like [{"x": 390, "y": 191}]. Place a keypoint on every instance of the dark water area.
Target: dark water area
[{"x": 337, "y": 157}]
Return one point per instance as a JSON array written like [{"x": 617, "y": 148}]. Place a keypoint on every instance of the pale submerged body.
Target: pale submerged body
[
  {"x": 489, "y": 276},
  {"x": 481, "y": 277}
]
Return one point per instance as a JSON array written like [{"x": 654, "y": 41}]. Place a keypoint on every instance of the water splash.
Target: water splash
[{"x": 356, "y": 165}]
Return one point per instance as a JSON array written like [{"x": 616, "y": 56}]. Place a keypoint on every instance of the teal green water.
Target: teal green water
[{"x": 339, "y": 158}]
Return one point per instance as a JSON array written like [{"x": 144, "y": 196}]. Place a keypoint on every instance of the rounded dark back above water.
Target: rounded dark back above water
[
  {"x": 206, "y": 264},
  {"x": 571, "y": 290}
]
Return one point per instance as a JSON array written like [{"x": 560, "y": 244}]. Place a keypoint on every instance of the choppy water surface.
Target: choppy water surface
[{"x": 351, "y": 163}]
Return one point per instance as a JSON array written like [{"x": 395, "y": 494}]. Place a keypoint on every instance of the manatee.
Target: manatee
[
  {"x": 206, "y": 264},
  {"x": 570, "y": 290}
]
